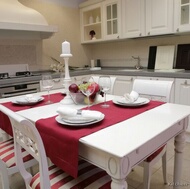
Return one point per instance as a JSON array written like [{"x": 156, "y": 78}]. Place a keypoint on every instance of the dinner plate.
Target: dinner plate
[
  {"x": 25, "y": 101},
  {"x": 61, "y": 120},
  {"x": 139, "y": 102}
]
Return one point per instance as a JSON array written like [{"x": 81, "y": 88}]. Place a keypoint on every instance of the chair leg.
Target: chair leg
[
  {"x": 147, "y": 176},
  {"x": 164, "y": 167}
]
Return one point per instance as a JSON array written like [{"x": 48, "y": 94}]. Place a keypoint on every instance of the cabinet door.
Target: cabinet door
[
  {"x": 181, "y": 15},
  {"x": 133, "y": 15},
  {"x": 159, "y": 17},
  {"x": 91, "y": 21},
  {"x": 123, "y": 84},
  {"x": 112, "y": 19},
  {"x": 182, "y": 93}
]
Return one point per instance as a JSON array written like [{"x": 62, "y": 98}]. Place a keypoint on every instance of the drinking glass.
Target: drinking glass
[
  {"x": 47, "y": 84},
  {"x": 105, "y": 85},
  {"x": 87, "y": 87}
]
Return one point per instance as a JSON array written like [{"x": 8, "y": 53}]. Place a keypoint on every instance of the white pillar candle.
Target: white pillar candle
[{"x": 66, "y": 48}]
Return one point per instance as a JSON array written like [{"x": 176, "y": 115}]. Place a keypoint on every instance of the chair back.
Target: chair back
[
  {"x": 27, "y": 136},
  {"x": 153, "y": 89},
  {"x": 96, "y": 79}
]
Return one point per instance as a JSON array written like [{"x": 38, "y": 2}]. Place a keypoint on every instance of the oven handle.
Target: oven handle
[{"x": 17, "y": 93}]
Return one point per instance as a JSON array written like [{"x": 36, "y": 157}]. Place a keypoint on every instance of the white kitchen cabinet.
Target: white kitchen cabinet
[
  {"x": 112, "y": 19},
  {"x": 123, "y": 84},
  {"x": 182, "y": 93},
  {"x": 91, "y": 20},
  {"x": 159, "y": 17},
  {"x": 147, "y": 17},
  {"x": 182, "y": 15},
  {"x": 164, "y": 79},
  {"x": 133, "y": 18}
]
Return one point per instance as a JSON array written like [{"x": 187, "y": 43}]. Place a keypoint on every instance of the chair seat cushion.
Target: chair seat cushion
[
  {"x": 7, "y": 153},
  {"x": 89, "y": 176},
  {"x": 152, "y": 156}
]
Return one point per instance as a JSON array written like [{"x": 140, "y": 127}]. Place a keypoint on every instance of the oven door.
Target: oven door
[{"x": 19, "y": 89}]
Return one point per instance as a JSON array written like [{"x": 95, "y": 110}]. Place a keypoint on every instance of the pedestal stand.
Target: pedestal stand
[{"x": 67, "y": 80}]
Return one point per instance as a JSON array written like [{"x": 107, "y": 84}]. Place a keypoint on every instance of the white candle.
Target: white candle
[{"x": 66, "y": 48}]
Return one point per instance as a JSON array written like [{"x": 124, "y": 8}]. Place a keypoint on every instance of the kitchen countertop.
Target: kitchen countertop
[{"x": 122, "y": 71}]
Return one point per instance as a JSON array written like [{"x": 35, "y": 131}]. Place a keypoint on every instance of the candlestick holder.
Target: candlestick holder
[{"x": 67, "y": 80}]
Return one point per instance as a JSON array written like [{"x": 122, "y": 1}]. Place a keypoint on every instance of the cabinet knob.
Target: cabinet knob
[
  {"x": 185, "y": 83},
  {"x": 118, "y": 37},
  {"x": 148, "y": 33},
  {"x": 140, "y": 34},
  {"x": 177, "y": 29}
]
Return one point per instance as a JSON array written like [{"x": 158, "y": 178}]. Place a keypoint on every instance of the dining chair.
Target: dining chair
[
  {"x": 96, "y": 79},
  {"x": 26, "y": 136},
  {"x": 161, "y": 91},
  {"x": 8, "y": 165}
]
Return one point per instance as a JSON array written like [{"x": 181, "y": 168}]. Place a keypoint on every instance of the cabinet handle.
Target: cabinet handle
[
  {"x": 140, "y": 34},
  {"x": 185, "y": 83},
  {"x": 148, "y": 33},
  {"x": 132, "y": 79},
  {"x": 177, "y": 29},
  {"x": 117, "y": 37}
]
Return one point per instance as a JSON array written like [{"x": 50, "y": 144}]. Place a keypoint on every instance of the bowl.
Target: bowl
[{"x": 80, "y": 98}]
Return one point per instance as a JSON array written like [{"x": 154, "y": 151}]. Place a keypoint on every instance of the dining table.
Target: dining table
[{"x": 119, "y": 146}]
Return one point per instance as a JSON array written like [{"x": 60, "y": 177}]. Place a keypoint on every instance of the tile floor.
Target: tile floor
[{"x": 135, "y": 178}]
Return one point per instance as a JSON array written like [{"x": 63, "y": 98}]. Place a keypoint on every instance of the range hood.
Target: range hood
[{"x": 17, "y": 19}]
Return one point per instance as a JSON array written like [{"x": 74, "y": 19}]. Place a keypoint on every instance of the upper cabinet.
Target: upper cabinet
[
  {"x": 147, "y": 17},
  {"x": 159, "y": 17},
  {"x": 133, "y": 15},
  {"x": 120, "y": 19},
  {"x": 112, "y": 19},
  {"x": 91, "y": 23},
  {"x": 182, "y": 16}
]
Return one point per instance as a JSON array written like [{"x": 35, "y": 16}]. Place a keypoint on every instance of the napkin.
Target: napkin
[
  {"x": 71, "y": 113},
  {"x": 132, "y": 97},
  {"x": 28, "y": 99}
]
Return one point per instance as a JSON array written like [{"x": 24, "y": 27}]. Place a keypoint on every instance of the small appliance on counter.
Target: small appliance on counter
[{"x": 97, "y": 67}]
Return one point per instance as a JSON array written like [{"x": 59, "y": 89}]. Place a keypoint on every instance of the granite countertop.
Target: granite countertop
[{"x": 121, "y": 71}]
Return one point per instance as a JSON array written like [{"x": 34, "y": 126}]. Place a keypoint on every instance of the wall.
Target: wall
[
  {"x": 68, "y": 22},
  {"x": 119, "y": 53},
  {"x": 38, "y": 53}
]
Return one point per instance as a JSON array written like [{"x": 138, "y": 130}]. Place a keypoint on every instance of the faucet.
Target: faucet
[{"x": 137, "y": 66}]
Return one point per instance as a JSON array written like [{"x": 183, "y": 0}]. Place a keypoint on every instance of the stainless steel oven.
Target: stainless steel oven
[{"x": 19, "y": 89}]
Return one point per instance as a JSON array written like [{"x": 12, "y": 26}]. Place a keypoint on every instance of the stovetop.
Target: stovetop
[{"x": 18, "y": 75}]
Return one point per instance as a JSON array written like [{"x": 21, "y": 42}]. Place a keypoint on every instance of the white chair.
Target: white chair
[
  {"x": 96, "y": 78},
  {"x": 8, "y": 164},
  {"x": 161, "y": 91},
  {"x": 27, "y": 136}
]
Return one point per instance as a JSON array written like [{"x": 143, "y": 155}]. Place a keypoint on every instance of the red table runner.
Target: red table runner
[
  {"x": 5, "y": 123},
  {"x": 61, "y": 141}
]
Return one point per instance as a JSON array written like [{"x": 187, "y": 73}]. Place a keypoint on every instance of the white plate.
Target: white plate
[
  {"x": 60, "y": 120},
  {"x": 24, "y": 101},
  {"x": 139, "y": 102}
]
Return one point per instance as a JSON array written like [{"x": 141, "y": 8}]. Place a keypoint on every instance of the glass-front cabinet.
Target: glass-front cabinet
[
  {"x": 112, "y": 19},
  {"x": 91, "y": 23},
  {"x": 182, "y": 15}
]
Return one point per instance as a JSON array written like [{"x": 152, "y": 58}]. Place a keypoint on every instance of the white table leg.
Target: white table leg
[
  {"x": 118, "y": 169},
  {"x": 179, "y": 147},
  {"x": 119, "y": 184}
]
